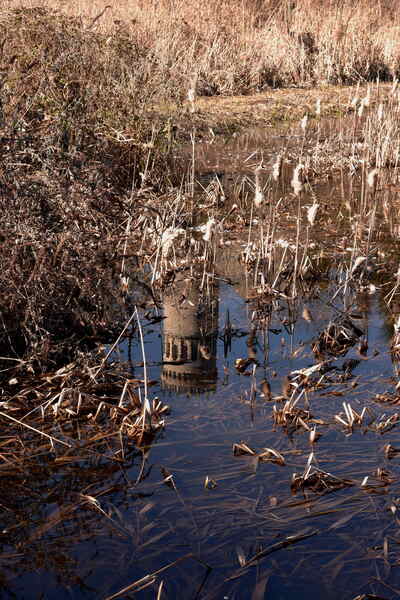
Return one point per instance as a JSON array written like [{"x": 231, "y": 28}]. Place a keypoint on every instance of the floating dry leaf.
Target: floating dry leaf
[
  {"x": 269, "y": 454},
  {"x": 390, "y": 451},
  {"x": 209, "y": 484},
  {"x": 266, "y": 454},
  {"x": 243, "y": 449}
]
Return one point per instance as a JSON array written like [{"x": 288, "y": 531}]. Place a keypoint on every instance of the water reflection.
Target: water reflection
[
  {"x": 190, "y": 331},
  {"x": 67, "y": 539},
  {"x": 49, "y": 519}
]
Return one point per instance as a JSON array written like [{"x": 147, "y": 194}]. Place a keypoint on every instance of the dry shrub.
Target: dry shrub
[
  {"x": 387, "y": 40},
  {"x": 70, "y": 86},
  {"x": 74, "y": 140}
]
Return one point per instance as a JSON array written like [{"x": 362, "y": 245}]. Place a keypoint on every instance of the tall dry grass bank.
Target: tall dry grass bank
[{"x": 240, "y": 46}]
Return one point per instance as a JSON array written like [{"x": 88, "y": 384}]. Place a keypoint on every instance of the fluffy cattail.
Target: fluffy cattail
[
  {"x": 372, "y": 179},
  {"x": 168, "y": 237},
  {"x": 367, "y": 98},
  {"x": 191, "y": 95},
  {"x": 312, "y": 213},
  {"x": 259, "y": 196},
  {"x": 303, "y": 123},
  {"x": 380, "y": 112},
  {"x": 277, "y": 167},
  {"x": 361, "y": 108},
  {"x": 354, "y": 102},
  {"x": 210, "y": 226},
  {"x": 297, "y": 179},
  {"x": 318, "y": 107}
]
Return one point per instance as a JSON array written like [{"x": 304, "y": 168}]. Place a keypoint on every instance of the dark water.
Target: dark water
[
  {"x": 149, "y": 524},
  {"x": 251, "y": 506},
  {"x": 156, "y": 508}
]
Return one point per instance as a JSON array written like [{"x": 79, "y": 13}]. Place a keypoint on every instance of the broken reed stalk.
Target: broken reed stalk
[
  {"x": 50, "y": 437},
  {"x": 123, "y": 278},
  {"x": 248, "y": 247},
  {"x": 115, "y": 344},
  {"x": 146, "y": 404},
  {"x": 151, "y": 577},
  {"x": 288, "y": 541},
  {"x": 371, "y": 183},
  {"x": 296, "y": 258},
  {"x": 192, "y": 172}
]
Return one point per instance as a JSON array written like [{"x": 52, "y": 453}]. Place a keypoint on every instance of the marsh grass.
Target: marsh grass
[{"x": 237, "y": 47}]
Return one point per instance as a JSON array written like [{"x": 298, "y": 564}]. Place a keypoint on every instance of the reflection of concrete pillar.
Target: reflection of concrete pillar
[{"x": 190, "y": 331}]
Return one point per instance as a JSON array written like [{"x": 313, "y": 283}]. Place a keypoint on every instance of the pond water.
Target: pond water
[
  {"x": 231, "y": 524},
  {"x": 251, "y": 506}
]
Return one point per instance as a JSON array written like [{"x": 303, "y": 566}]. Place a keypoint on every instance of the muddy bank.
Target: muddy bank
[{"x": 272, "y": 108}]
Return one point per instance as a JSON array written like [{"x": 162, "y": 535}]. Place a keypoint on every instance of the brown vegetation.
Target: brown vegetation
[
  {"x": 238, "y": 47},
  {"x": 74, "y": 143}
]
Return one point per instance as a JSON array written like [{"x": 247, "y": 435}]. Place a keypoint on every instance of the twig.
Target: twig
[
  {"x": 291, "y": 539},
  {"x": 97, "y": 17},
  {"x": 53, "y": 439},
  {"x": 151, "y": 576},
  {"x": 288, "y": 541},
  {"x": 111, "y": 350}
]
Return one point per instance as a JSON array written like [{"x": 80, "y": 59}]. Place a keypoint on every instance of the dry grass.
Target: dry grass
[{"x": 236, "y": 47}]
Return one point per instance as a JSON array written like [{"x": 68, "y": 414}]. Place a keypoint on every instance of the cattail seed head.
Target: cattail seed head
[
  {"x": 372, "y": 179},
  {"x": 277, "y": 167},
  {"x": 210, "y": 226},
  {"x": 168, "y": 237},
  {"x": 259, "y": 196},
  {"x": 191, "y": 95},
  {"x": 297, "y": 179},
  {"x": 367, "y": 98},
  {"x": 312, "y": 213}
]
